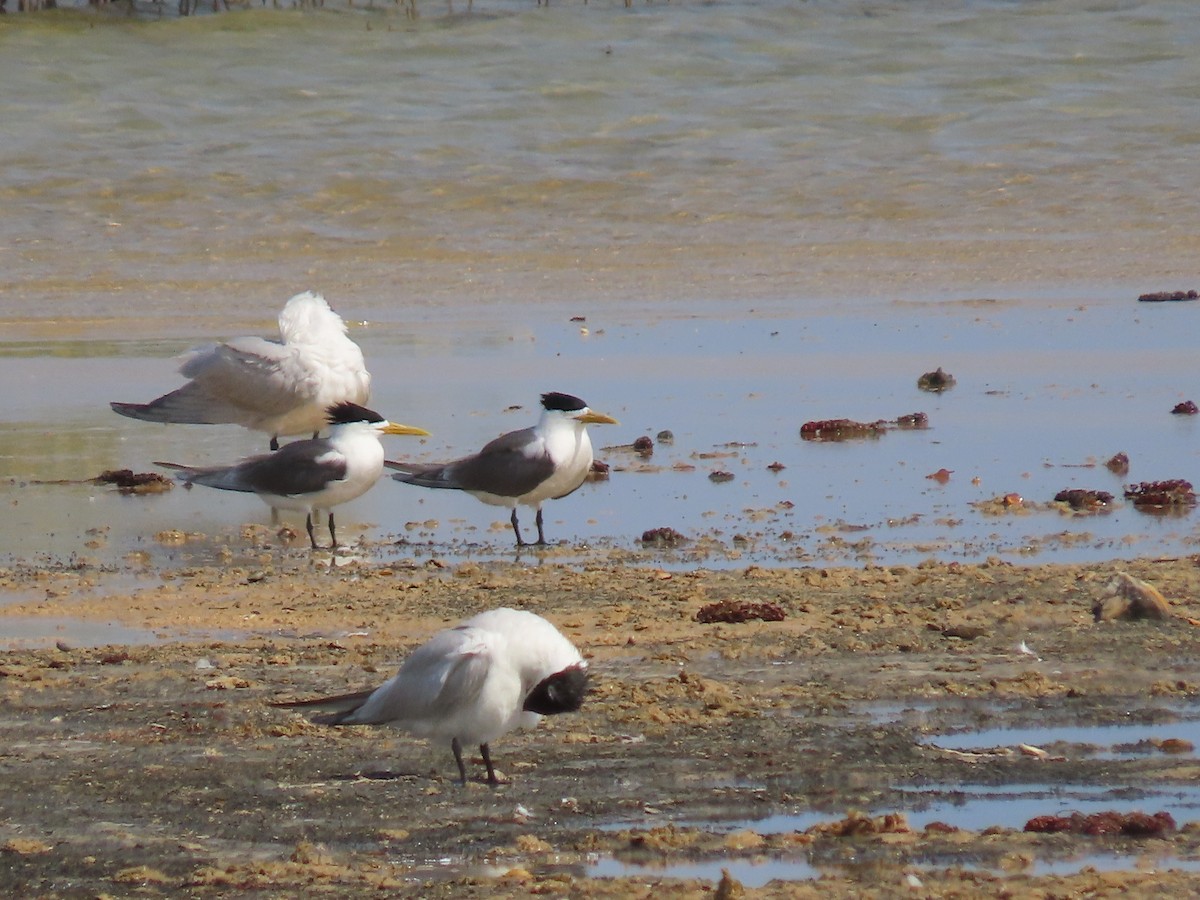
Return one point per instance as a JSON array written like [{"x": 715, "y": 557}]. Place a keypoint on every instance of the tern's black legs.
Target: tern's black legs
[
  {"x": 487, "y": 761},
  {"x": 312, "y": 538},
  {"x": 456, "y": 746},
  {"x": 275, "y": 440},
  {"x": 517, "y": 529}
]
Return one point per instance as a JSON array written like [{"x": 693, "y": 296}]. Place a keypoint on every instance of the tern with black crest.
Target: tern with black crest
[
  {"x": 526, "y": 467},
  {"x": 280, "y": 387},
  {"x": 308, "y": 475},
  {"x": 471, "y": 684}
]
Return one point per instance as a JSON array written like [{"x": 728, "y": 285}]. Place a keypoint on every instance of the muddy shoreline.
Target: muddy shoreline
[{"x": 160, "y": 769}]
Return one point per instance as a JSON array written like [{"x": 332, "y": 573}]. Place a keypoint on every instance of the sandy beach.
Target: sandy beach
[{"x": 159, "y": 769}]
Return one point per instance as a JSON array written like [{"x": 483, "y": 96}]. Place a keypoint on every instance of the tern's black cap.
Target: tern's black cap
[
  {"x": 562, "y": 402},
  {"x": 348, "y": 413}
]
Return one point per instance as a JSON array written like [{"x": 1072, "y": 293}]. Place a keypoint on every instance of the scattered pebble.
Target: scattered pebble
[
  {"x": 1126, "y": 597},
  {"x": 963, "y": 632}
]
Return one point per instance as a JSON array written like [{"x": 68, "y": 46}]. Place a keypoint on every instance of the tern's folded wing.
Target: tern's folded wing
[
  {"x": 441, "y": 677},
  {"x": 511, "y": 465},
  {"x": 295, "y": 469},
  {"x": 251, "y": 373}
]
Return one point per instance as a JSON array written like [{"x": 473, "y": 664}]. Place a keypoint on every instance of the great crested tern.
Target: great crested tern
[
  {"x": 472, "y": 683},
  {"x": 529, "y": 467},
  {"x": 307, "y": 475},
  {"x": 281, "y": 387}
]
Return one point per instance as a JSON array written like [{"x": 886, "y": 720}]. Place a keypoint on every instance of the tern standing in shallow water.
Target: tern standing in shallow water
[
  {"x": 280, "y": 387},
  {"x": 472, "y": 683},
  {"x": 529, "y": 467},
  {"x": 308, "y": 475}
]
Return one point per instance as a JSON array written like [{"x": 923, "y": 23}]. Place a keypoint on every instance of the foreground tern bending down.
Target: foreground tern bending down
[
  {"x": 280, "y": 387},
  {"x": 472, "y": 683},
  {"x": 311, "y": 474},
  {"x": 530, "y": 466}
]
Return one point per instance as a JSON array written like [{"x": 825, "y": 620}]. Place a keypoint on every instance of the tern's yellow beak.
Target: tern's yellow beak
[
  {"x": 591, "y": 417},
  {"x": 395, "y": 428}
]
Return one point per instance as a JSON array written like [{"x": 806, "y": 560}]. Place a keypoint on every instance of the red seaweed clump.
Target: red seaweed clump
[
  {"x": 1132, "y": 824},
  {"x": 857, "y": 824},
  {"x": 840, "y": 429},
  {"x": 663, "y": 537},
  {"x": 1118, "y": 464},
  {"x": 936, "y": 382},
  {"x": 1078, "y": 498},
  {"x": 734, "y": 611},
  {"x": 848, "y": 429},
  {"x": 129, "y": 482},
  {"x": 1186, "y": 408},
  {"x": 1163, "y": 296},
  {"x": 1172, "y": 493},
  {"x": 913, "y": 420}
]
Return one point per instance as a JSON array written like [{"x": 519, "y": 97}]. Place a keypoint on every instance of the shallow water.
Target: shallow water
[
  {"x": 758, "y": 872},
  {"x": 968, "y": 807},
  {"x": 1098, "y": 741},
  {"x": 858, "y": 501},
  {"x": 977, "y": 807},
  {"x": 767, "y": 212}
]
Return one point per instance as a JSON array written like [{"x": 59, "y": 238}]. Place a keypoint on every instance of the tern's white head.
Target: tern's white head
[{"x": 308, "y": 318}]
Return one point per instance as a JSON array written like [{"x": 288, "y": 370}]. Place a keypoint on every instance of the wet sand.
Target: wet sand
[{"x": 159, "y": 768}]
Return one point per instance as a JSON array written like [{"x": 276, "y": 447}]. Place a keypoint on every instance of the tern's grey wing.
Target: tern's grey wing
[
  {"x": 331, "y": 710},
  {"x": 301, "y": 467},
  {"x": 241, "y": 383},
  {"x": 511, "y": 465},
  {"x": 251, "y": 373},
  {"x": 225, "y": 478},
  {"x": 440, "y": 677}
]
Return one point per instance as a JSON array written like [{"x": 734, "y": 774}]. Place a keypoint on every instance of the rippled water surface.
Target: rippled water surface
[{"x": 768, "y": 212}]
